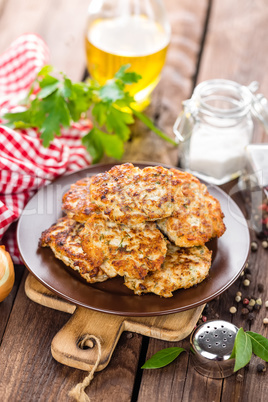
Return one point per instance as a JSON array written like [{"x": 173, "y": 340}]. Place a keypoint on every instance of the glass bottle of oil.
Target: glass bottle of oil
[{"x": 120, "y": 32}]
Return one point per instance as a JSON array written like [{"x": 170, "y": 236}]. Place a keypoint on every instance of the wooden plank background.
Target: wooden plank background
[{"x": 235, "y": 46}]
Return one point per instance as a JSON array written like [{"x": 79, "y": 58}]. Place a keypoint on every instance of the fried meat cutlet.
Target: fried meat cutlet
[
  {"x": 123, "y": 250},
  {"x": 130, "y": 195},
  {"x": 197, "y": 216},
  {"x": 76, "y": 202},
  {"x": 63, "y": 239},
  {"x": 182, "y": 268}
]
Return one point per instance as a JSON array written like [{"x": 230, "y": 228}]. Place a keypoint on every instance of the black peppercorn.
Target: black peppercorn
[
  {"x": 244, "y": 311},
  {"x": 251, "y": 317},
  {"x": 261, "y": 368},
  {"x": 260, "y": 287}
]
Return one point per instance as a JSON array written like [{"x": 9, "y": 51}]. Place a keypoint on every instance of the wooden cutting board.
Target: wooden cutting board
[{"x": 67, "y": 344}]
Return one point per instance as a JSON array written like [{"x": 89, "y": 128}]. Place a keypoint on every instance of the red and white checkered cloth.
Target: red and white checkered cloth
[{"x": 25, "y": 165}]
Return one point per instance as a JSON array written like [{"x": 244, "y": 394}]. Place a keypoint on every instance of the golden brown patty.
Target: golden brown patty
[
  {"x": 124, "y": 250},
  {"x": 182, "y": 268},
  {"x": 63, "y": 239},
  {"x": 130, "y": 195},
  {"x": 76, "y": 202},
  {"x": 197, "y": 216}
]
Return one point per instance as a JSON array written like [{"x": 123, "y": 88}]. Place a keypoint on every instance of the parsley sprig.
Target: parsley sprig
[{"x": 55, "y": 102}]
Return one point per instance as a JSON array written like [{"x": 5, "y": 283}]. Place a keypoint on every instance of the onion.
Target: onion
[{"x": 7, "y": 275}]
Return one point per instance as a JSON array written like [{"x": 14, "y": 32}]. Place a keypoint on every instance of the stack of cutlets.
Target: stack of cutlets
[{"x": 149, "y": 226}]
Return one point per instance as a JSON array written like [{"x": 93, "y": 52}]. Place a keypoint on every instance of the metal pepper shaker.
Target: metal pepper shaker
[{"x": 211, "y": 347}]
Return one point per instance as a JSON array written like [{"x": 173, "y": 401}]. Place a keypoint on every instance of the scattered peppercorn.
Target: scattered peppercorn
[
  {"x": 265, "y": 244},
  {"x": 239, "y": 294},
  {"x": 260, "y": 287},
  {"x": 244, "y": 311},
  {"x": 259, "y": 301},
  {"x": 254, "y": 246},
  {"x": 245, "y": 301},
  {"x": 204, "y": 318},
  {"x": 266, "y": 304},
  {"x": 242, "y": 273},
  {"x": 233, "y": 310},
  {"x": 252, "y": 302},
  {"x": 251, "y": 317},
  {"x": 246, "y": 282},
  {"x": 248, "y": 276},
  {"x": 237, "y": 299},
  {"x": 265, "y": 321},
  {"x": 257, "y": 306},
  {"x": 261, "y": 368},
  {"x": 247, "y": 271},
  {"x": 239, "y": 377}
]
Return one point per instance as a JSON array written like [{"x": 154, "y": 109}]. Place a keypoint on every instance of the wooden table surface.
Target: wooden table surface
[{"x": 210, "y": 39}]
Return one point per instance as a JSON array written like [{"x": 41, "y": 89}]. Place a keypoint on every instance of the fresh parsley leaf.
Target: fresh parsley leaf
[
  {"x": 117, "y": 121},
  {"x": 259, "y": 345},
  {"x": 111, "y": 92},
  {"x": 59, "y": 102},
  {"x": 93, "y": 144},
  {"x": 127, "y": 77},
  {"x": 97, "y": 142},
  {"x": 242, "y": 349},
  {"x": 162, "y": 358},
  {"x": 99, "y": 111}
]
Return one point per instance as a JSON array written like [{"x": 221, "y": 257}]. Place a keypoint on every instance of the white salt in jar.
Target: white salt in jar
[{"x": 215, "y": 127}]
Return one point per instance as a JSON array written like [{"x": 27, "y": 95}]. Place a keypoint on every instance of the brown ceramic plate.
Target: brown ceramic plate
[{"x": 230, "y": 254}]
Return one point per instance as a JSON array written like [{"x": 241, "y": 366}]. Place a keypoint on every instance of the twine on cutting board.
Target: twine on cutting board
[{"x": 78, "y": 392}]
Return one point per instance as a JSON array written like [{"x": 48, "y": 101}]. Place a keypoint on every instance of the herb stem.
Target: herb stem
[{"x": 151, "y": 126}]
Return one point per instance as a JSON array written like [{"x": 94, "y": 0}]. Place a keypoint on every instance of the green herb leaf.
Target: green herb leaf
[
  {"x": 259, "y": 345},
  {"x": 242, "y": 349},
  {"x": 60, "y": 102},
  {"x": 163, "y": 358},
  {"x": 127, "y": 77},
  {"x": 93, "y": 144},
  {"x": 118, "y": 121}
]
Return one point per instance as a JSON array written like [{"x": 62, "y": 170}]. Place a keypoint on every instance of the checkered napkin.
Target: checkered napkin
[{"x": 25, "y": 165}]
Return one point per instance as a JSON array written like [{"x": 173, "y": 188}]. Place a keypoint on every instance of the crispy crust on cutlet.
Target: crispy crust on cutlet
[
  {"x": 76, "y": 202},
  {"x": 130, "y": 195},
  {"x": 63, "y": 239},
  {"x": 197, "y": 216},
  {"x": 123, "y": 250},
  {"x": 182, "y": 268}
]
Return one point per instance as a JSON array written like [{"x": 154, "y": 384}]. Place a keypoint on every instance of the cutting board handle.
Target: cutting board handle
[{"x": 68, "y": 344}]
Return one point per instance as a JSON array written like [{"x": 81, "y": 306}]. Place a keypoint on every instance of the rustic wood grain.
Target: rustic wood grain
[
  {"x": 236, "y": 46},
  {"x": 61, "y": 23}
]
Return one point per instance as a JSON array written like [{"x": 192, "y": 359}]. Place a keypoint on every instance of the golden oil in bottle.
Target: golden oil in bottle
[{"x": 134, "y": 40}]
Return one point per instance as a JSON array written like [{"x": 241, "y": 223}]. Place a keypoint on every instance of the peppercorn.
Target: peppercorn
[
  {"x": 247, "y": 271},
  {"x": 244, "y": 311},
  {"x": 261, "y": 368},
  {"x": 252, "y": 302},
  {"x": 246, "y": 282},
  {"x": 242, "y": 273},
  {"x": 245, "y": 301},
  {"x": 204, "y": 318},
  {"x": 265, "y": 244},
  {"x": 265, "y": 321},
  {"x": 248, "y": 276},
  {"x": 233, "y": 310},
  {"x": 250, "y": 308},
  {"x": 259, "y": 301},
  {"x": 260, "y": 287},
  {"x": 257, "y": 307},
  {"x": 237, "y": 299},
  {"x": 239, "y": 294},
  {"x": 251, "y": 317},
  {"x": 266, "y": 304},
  {"x": 254, "y": 246}
]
